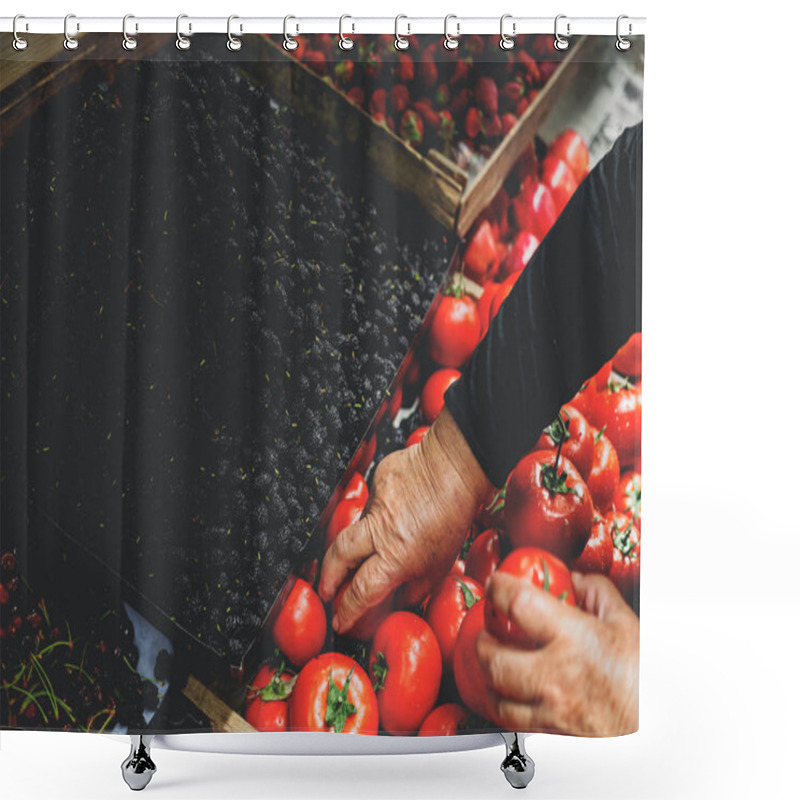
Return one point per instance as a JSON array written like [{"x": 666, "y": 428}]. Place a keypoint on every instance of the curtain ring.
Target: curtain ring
[
  {"x": 289, "y": 43},
  {"x": 19, "y": 43},
  {"x": 507, "y": 42},
  {"x": 345, "y": 42},
  {"x": 400, "y": 42},
  {"x": 450, "y": 41},
  {"x": 181, "y": 42},
  {"x": 128, "y": 42},
  {"x": 70, "y": 42},
  {"x": 234, "y": 42},
  {"x": 561, "y": 42},
  {"x": 623, "y": 44}
]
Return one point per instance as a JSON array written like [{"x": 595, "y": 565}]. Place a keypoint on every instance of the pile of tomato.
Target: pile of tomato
[
  {"x": 459, "y": 102},
  {"x": 572, "y": 503}
]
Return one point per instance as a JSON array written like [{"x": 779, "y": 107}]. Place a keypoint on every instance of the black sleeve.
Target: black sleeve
[{"x": 577, "y": 301}]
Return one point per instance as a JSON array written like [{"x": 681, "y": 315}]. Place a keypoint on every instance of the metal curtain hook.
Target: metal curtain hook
[
  {"x": 181, "y": 41},
  {"x": 507, "y": 42},
  {"x": 451, "y": 42},
  {"x": 623, "y": 44},
  {"x": 19, "y": 43},
  {"x": 288, "y": 42},
  {"x": 400, "y": 42},
  {"x": 128, "y": 42},
  {"x": 234, "y": 42},
  {"x": 561, "y": 42},
  {"x": 345, "y": 42},
  {"x": 70, "y": 42}
]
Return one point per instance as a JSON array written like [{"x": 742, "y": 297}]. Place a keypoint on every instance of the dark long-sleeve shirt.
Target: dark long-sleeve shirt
[{"x": 577, "y": 301}]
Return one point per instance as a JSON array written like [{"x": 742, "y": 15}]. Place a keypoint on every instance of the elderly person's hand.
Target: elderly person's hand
[
  {"x": 422, "y": 502},
  {"x": 580, "y": 674}
]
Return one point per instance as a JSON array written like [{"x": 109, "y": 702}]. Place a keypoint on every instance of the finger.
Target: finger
[
  {"x": 512, "y": 672},
  {"x": 370, "y": 585},
  {"x": 352, "y": 546},
  {"x": 597, "y": 595},
  {"x": 512, "y": 714},
  {"x": 414, "y": 592},
  {"x": 538, "y": 614}
]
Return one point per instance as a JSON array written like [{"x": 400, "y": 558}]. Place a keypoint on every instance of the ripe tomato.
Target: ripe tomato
[
  {"x": 534, "y": 208},
  {"x": 604, "y": 477},
  {"x": 485, "y": 305},
  {"x": 575, "y": 437},
  {"x": 626, "y": 566},
  {"x": 570, "y": 147},
  {"x": 628, "y": 360},
  {"x": 432, "y": 400},
  {"x": 599, "y": 551},
  {"x": 406, "y": 664},
  {"x": 266, "y": 706},
  {"x": 484, "y": 557},
  {"x": 356, "y": 489},
  {"x": 416, "y": 435},
  {"x": 519, "y": 254},
  {"x": 492, "y": 514},
  {"x": 584, "y": 397},
  {"x": 446, "y": 610},
  {"x": 455, "y": 330},
  {"x": 459, "y": 568},
  {"x": 548, "y": 505},
  {"x": 345, "y": 514},
  {"x": 540, "y": 568},
  {"x": 365, "y": 628},
  {"x": 446, "y": 720},
  {"x": 333, "y": 693},
  {"x": 617, "y": 407},
  {"x": 300, "y": 628},
  {"x": 481, "y": 251},
  {"x": 628, "y": 497},
  {"x": 502, "y": 293},
  {"x": 559, "y": 178},
  {"x": 470, "y": 681}
]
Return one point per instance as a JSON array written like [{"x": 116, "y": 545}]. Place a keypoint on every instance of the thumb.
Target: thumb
[{"x": 598, "y": 596}]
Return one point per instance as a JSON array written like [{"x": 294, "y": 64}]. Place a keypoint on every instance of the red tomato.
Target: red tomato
[
  {"x": 548, "y": 505},
  {"x": 618, "y": 409},
  {"x": 345, "y": 514},
  {"x": 599, "y": 551},
  {"x": 446, "y": 610},
  {"x": 300, "y": 628},
  {"x": 365, "y": 628},
  {"x": 483, "y": 557},
  {"x": 333, "y": 693},
  {"x": 584, "y": 397},
  {"x": 493, "y": 513},
  {"x": 502, "y": 293},
  {"x": 628, "y": 497},
  {"x": 266, "y": 706},
  {"x": 417, "y": 435},
  {"x": 446, "y": 720},
  {"x": 459, "y": 568},
  {"x": 356, "y": 489},
  {"x": 406, "y": 664},
  {"x": 519, "y": 254},
  {"x": 576, "y": 437},
  {"x": 626, "y": 565},
  {"x": 534, "y": 208},
  {"x": 570, "y": 147},
  {"x": 395, "y": 403},
  {"x": 470, "y": 681},
  {"x": 540, "y": 568},
  {"x": 364, "y": 454},
  {"x": 455, "y": 330},
  {"x": 481, "y": 251},
  {"x": 604, "y": 477},
  {"x": 485, "y": 305},
  {"x": 559, "y": 178},
  {"x": 628, "y": 360},
  {"x": 432, "y": 400}
]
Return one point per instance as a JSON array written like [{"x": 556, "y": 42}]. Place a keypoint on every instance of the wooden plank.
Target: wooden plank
[
  {"x": 223, "y": 719},
  {"x": 449, "y": 167}
]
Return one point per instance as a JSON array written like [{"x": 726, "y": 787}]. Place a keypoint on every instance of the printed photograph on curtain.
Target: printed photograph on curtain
[{"x": 321, "y": 385}]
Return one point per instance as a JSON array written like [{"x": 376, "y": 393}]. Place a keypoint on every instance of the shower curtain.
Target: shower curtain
[{"x": 321, "y": 385}]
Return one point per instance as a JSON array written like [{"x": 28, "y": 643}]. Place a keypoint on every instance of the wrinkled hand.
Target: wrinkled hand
[
  {"x": 422, "y": 501},
  {"x": 583, "y": 676}
]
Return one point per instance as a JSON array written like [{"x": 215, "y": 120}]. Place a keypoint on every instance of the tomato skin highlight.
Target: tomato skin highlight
[
  {"x": 432, "y": 399},
  {"x": 598, "y": 555},
  {"x": 541, "y": 569},
  {"x": 445, "y": 720},
  {"x": 446, "y": 610},
  {"x": 557, "y": 175},
  {"x": 470, "y": 681},
  {"x": 560, "y": 523},
  {"x": 300, "y": 627},
  {"x": 578, "y": 447},
  {"x": 308, "y": 705},
  {"x": 535, "y": 208},
  {"x": 455, "y": 331},
  {"x": 484, "y": 556},
  {"x": 406, "y": 662},
  {"x": 356, "y": 489},
  {"x": 345, "y": 514},
  {"x": 603, "y": 480}
]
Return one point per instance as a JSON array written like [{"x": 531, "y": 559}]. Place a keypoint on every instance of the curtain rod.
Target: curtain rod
[{"x": 569, "y": 26}]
